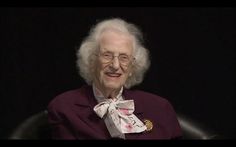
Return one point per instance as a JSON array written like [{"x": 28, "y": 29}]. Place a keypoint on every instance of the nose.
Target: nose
[{"x": 115, "y": 63}]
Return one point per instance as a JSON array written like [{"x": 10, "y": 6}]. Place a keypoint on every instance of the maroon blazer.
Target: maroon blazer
[{"x": 71, "y": 116}]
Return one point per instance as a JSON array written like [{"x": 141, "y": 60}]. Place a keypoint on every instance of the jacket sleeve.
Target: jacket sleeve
[
  {"x": 176, "y": 132},
  {"x": 59, "y": 129}
]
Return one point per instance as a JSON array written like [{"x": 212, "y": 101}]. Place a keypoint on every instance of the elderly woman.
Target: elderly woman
[{"x": 111, "y": 60}]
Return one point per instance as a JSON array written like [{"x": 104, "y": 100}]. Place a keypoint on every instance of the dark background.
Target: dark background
[{"x": 192, "y": 54}]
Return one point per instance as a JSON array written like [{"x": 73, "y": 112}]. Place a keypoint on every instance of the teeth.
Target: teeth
[{"x": 113, "y": 74}]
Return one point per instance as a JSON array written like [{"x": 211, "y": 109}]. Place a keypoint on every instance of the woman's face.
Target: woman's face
[{"x": 114, "y": 60}]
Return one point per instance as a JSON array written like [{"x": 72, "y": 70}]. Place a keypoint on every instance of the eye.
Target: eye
[
  {"x": 124, "y": 57},
  {"x": 107, "y": 55}
]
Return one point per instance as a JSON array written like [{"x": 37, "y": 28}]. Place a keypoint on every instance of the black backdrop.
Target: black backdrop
[{"x": 192, "y": 54}]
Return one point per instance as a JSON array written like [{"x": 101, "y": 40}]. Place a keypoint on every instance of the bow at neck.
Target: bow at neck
[{"x": 120, "y": 113}]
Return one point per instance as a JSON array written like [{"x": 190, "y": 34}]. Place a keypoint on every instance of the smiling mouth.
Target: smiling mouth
[{"x": 113, "y": 74}]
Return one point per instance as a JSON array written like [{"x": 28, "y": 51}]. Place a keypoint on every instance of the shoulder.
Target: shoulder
[
  {"x": 151, "y": 102},
  {"x": 68, "y": 98},
  {"x": 143, "y": 96}
]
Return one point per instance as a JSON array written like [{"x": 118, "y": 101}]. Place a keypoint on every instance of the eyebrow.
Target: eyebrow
[{"x": 106, "y": 50}]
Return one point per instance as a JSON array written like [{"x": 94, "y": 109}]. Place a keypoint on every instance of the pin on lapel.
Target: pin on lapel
[{"x": 148, "y": 124}]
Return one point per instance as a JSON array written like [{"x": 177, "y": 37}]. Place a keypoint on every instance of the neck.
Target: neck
[{"x": 108, "y": 92}]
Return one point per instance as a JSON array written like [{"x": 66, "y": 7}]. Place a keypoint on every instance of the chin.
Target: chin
[{"x": 113, "y": 85}]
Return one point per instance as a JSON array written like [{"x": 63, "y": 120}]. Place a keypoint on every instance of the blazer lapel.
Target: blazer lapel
[
  {"x": 137, "y": 112},
  {"x": 85, "y": 107}
]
